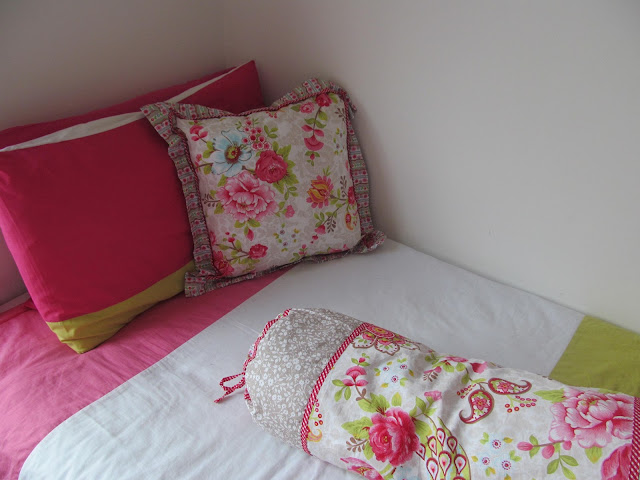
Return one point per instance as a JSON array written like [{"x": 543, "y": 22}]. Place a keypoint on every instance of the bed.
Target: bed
[
  {"x": 96, "y": 415},
  {"x": 139, "y": 403}
]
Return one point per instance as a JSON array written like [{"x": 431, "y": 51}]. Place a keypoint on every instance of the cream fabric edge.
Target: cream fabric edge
[{"x": 107, "y": 123}]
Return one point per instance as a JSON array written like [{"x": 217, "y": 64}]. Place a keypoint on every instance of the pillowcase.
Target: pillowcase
[
  {"x": 270, "y": 187},
  {"x": 374, "y": 402},
  {"x": 94, "y": 215},
  {"x": 23, "y": 133}
]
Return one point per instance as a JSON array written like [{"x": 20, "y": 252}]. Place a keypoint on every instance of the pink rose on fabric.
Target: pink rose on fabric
[
  {"x": 393, "y": 436},
  {"x": 313, "y": 143},
  {"x": 435, "y": 395},
  {"x": 289, "y": 212},
  {"x": 270, "y": 167},
  {"x": 362, "y": 468},
  {"x": 321, "y": 230},
  {"x": 320, "y": 192},
  {"x": 618, "y": 464},
  {"x": 456, "y": 359},
  {"x": 244, "y": 197},
  {"x": 307, "y": 107},
  {"x": 479, "y": 367},
  {"x": 548, "y": 451},
  {"x": 257, "y": 251},
  {"x": 592, "y": 418},
  {"x": 354, "y": 373},
  {"x": 351, "y": 195},
  {"x": 222, "y": 265},
  {"x": 323, "y": 100}
]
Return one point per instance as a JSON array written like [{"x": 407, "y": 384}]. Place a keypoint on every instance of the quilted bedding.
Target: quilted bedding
[{"x": 141, "y": 405}]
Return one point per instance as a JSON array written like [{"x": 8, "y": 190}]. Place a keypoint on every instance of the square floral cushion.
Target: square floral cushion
[{"x": 270, "y": 187}]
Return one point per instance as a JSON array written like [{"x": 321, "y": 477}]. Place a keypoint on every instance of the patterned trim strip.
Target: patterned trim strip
[
  {"x": 253, "y": 351},
  {"x": 304, "y": 430},
  {"x": 206, "y": 277},
  {"x": 634, "y": 470}
]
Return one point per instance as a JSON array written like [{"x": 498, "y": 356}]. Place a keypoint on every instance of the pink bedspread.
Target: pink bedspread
[{"x": 43, "y": 382}]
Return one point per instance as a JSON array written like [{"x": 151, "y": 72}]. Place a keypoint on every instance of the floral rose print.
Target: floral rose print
[
  {"x": 270, "y": 167},
  {"x": 362, "y": 468},
  {"x": 307, "y": 107},
  {"x": 320, "y": 192},
  {"x": 257, "y": 251},
  {"x": 255, "y": 135},
  {"x": 221, "y": 264},
  {"x": 351, "y": 195},
  {"x": 393, "y": 436},
  {"x": 479, "y": 367},
  {"x": 399, "y": 431},
  {"x": 323, "y": 100},
  {"x": 434, "y": 395},
  {"x": 197, "y": 132},
  {"x": 592, "y": 418},
  {"x": 254, "y": 179},
  {"x": 354, "y": 373},
  {"x": 245, "y": 198},
  {"x": 316, "y": 124},
  {"x": 618, "y": 464},
  {"x": 289, "y": 212},
  {"x": 229, "y": 153},
  {"x": 313, "y": 143}
]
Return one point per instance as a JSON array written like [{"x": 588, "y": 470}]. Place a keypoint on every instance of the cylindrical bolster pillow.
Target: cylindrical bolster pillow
[{"x": 371, "y": 401}]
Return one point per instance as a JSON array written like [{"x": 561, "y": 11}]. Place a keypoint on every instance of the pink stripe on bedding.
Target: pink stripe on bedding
[{"x": 43, "y": 382}]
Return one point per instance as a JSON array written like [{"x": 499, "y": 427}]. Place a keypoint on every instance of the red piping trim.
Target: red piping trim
[
  {"x": 634, "y": 470},
  {"x": 304, "y": 431}
]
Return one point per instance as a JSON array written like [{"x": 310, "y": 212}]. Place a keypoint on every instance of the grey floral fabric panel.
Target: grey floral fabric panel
[{"x": 280, "y": 379}]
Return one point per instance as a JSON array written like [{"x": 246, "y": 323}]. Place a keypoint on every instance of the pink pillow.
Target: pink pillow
[{"x": 96, "y": 223}]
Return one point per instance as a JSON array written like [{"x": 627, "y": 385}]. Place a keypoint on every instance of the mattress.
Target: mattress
[{"x": 141, "y": 405}]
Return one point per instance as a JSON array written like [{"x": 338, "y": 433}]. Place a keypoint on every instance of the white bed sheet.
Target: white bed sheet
[{"x": 163, "y": 423}]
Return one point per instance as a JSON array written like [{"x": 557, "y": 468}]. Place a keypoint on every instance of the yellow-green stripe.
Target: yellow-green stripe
[
  {"x": 601, "y": 355},
  {"x": 88, "y": 331}
]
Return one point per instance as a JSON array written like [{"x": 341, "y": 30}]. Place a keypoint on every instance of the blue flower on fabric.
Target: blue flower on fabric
[{"x": 230, "y": 153}]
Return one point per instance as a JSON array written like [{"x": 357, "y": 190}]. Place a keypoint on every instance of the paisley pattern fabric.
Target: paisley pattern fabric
[{"x": 376, "y": 403}]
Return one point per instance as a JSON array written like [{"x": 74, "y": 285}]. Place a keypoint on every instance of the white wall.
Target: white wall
[
  {"x": 503, "y": 136},
  {"x": 65, "y": 57}
]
